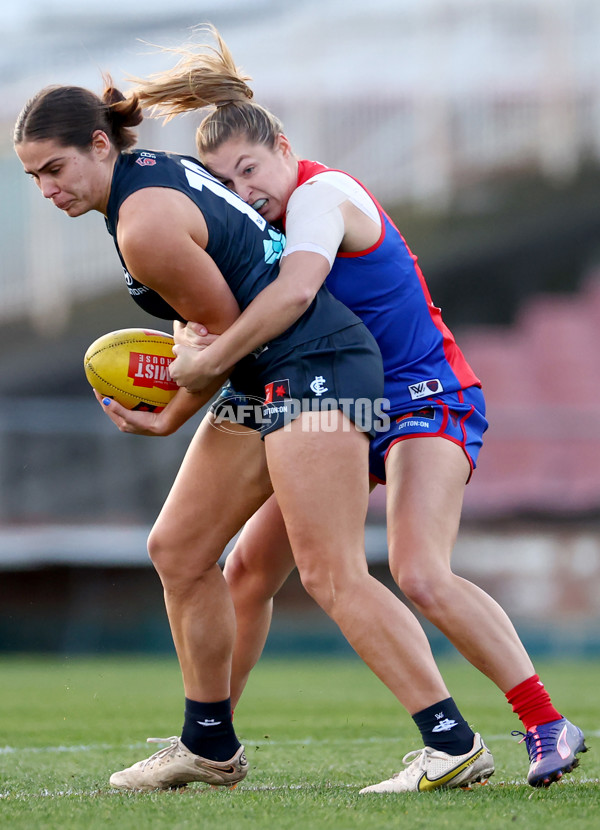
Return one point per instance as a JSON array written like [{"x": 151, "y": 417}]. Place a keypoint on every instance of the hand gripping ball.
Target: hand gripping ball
[{"x": 132, "y": 366}]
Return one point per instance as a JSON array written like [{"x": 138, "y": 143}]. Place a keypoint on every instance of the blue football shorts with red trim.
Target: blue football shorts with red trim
[{"x": 457, "y": 416}]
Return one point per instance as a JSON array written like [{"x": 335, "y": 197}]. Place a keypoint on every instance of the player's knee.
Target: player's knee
[
  {"x": 157, "y": 548},
  {"x": 323, "y": 595},
  {"x": 426, "y": 591},
  {"x": 164, "y": 557},
  {"x": 234, "y": 570},
  {"x": 176, "y": 560},
  {"x": 238, "y": 574},
  {"x": 247, "y": 577},
  {"x": 326, "y": 588},
  {"x": 416, "y": 589}
]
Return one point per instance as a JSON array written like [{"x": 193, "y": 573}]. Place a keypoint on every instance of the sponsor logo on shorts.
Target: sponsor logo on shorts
[
  {"x": 282, "y": 409},
  {"x": 420, "y": 419},
  {"x": 278, "y": 390},
  {"x": 425, "y": 388}
]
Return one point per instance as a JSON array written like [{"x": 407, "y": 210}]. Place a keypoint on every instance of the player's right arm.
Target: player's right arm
[
  {"x": 162, "y": 236},
  {"x": 321, "y": 219}
]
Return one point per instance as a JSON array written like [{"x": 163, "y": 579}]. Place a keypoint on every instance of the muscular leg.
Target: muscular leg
[
  {"x": 220, "y": 484},
  {"x": 425, "y": 487},
  {"x": 255, "y": 570},
  {"x": 320, "y": 480},
  {"x": 198, "y": 519}
]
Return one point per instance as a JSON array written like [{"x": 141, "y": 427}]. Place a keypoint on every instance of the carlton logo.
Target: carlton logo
[
  {"x": 150, "y": 370},
  {"x": 144, "y": 161}
]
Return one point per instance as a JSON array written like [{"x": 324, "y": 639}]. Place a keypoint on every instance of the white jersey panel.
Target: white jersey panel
[{"x": 314, "y": 221}]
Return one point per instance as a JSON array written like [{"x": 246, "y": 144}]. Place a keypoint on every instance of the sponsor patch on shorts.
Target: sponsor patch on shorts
[
  {"x": 425, "y": 388},
  {"x": 278, "y": 390},
  {"x": 421, "y": 419}
]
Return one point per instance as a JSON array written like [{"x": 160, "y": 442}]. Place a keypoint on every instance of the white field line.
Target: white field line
[
  {"x": 71, "y": 793},
  {"x": 249, "y": 742},
  {"x": 82, "y": 748}
]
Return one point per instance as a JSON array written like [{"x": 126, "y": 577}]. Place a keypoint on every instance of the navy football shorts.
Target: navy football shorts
[
  {"x": 456, "y": 416},
  {"x": 340, "y": 371}
]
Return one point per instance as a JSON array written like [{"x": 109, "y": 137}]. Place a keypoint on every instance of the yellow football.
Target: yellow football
[{"x": 132, "y": 366}]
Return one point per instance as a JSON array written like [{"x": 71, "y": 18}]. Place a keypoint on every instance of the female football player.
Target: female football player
[{"x": 436, "y": 404}]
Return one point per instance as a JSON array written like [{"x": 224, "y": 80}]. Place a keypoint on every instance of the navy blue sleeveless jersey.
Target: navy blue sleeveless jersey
[{"x": 245, "y": 248}]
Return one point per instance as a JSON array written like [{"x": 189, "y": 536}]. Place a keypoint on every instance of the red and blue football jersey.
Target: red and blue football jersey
[{"x": 384, "y": 286}]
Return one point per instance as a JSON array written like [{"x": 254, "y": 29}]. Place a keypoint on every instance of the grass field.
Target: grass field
[{"x": 315, "y": 732}]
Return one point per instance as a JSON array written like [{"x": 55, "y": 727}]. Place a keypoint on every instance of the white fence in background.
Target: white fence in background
[{"x": 417, "y": 99}]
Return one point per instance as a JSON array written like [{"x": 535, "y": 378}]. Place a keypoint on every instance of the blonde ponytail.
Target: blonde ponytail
[{"x": 206, "y": 76}]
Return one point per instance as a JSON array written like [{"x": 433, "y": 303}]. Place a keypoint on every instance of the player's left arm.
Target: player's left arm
[
  {"x": 180, "y": 409},
  {"x": 315, "y": 232}
]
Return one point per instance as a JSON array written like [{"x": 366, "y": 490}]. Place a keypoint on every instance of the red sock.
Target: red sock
[{"x": 531, "y": 702}]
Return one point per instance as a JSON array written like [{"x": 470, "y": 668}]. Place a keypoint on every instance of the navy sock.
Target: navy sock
[
  {"x": 443, "y": 727},
  {"x": 208, "y": 730}
]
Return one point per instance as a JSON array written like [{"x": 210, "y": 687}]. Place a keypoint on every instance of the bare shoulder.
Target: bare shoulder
[
  {"x": 162, "y": 236},
  {"x": 161, "y": 215}
]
